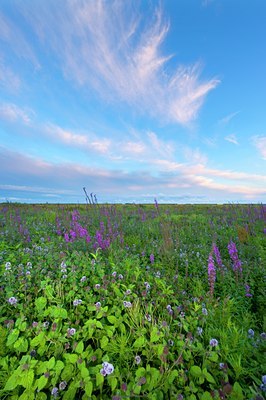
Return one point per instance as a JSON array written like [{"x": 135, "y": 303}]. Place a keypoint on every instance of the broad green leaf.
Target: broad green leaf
[
  {"x": 99, "y": 379},
  {"x": 72, "y": 358},
  {"x": 113, "y": 382},
  {"x": 38, "y": 339},
  {"x": 112, "y": 319},
  {"x": 26, "y": 379},
  {"x": 51, "y": 363},
  {"x": 67, "y": 372},
  {"x": 173, "y": 374},
  {"x": 88, "y": 388},
  {"x": 80, "y": 347},
  {"x": 155, "y": 334},
  {"x": 12, "y": 337},
  {"x": 84, "y": 372},
  {"x": 12, "y": 382},
  {"x": 41, "y": 382},
  {"x": 104, "y": 342},
  {"x": 206, "y": 396},
  {"x": 40, "y": 303},
  {"x": 41, "y": 396},
  {"x": 59, "y": 366},
  {"x": 139, "y": 342},
  {"x": 21, "y": 345},
  {"x": 195, "y": 371},
  {"x": 27, "y": 395}
]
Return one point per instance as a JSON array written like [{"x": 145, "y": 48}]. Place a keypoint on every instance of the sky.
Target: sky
[{"x": 133, "y": 100}]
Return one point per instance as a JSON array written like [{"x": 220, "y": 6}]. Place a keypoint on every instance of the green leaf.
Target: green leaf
[
  {"x": 41, "y": 396},
  {"x": 27, "y": 395},
  {"x": 209, "y": 377},
  {"x": 67, "y": 372},
  {"x": 26, "y": 379},
  {"x": 51, "y": 363},
  {"x": 237, "y": 391},
  {"x": 154, "y": 334},
  {"x": 139, "y": 342},
  {"x": 173, "y": 374},
  {"x": 80, "y": 347},
  {"x": 104, "y": 342},
  {"x": 41, "y": 382},
  {"x": 89, "y": 388},
  {"x": 21, "y": 345},
  {"x": 84, "y": 372},
  {"x": 112, "y": 319},
  {"x": 12, "y": 382},
  {"x": 38, "y": 340},
  {"x": 99, "y": 379},
  {"x": 59, "y": 366},
  {"x": 12, "y": 337},
  {"x": 113, "y": 382},
  {"x": 195, "y": 371},
  {"x": 40, "y": 303},
  {"x": 213, "y": 356},
  {"x": 206, "y": 396},
  {"x": 72, "y": 358}
]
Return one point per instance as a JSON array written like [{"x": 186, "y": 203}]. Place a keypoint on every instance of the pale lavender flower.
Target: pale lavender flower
[
  {"x": 98, "y": 304},
  {"x": 120, "y": 276},
  {"x": 204, "y": 311},
  {"x": 128, "y": 292},
  {"x": 248, "y": 294},
  {"x": 97, "y": 286},
  {"x": 114, "y": 274},
  {"x": 251, "y": 333},
  {"x": 137, "y": 360},
  {"x": 46, "y": 324},
  {"x": 62, "y": 385},
  {"x": 83, "y": 279},
  {"x": 152, "y": 258},
  {"x": 77, "y": 302},
  {"x": 107, "y": 368},
  {"x": 170, "y": 342},
  {"x": 29, "y": 265},
  {"x": 12, "y": 300},
  {"x": 214, "y": 342},
  {"x": 263, "y": 378},
  {"x": 127, "y": 304},
  {"x": 199, "y": 330},
  {"x": 64, "y": 276},
  {"x": 71, "y": 331},
  {"x": 28, "y": 273},
  {"x": 8, "y": 266},
  {"x": 54, "y": 392},
  {"x": 147, "y": 285},
  {"x": 148, "y": 317}
]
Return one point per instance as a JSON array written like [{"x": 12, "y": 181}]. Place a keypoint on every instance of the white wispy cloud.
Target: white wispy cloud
[
  {"x": 13, "y": 113},
  {"x": 225, "y": 120},
  {"x": 8, "y": 78},
  {"x": 103, "y": 45},
  {"x": 260, "y": 143},
  {"x": 231, "y": 138}
]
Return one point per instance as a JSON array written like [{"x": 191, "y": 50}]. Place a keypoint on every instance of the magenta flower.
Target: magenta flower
[{"x": 211, "y": 273}]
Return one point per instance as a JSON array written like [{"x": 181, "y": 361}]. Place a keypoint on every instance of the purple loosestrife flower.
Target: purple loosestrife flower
[
  {"x": 237, "y": 265},
  {"x": 217, "y": 254},
  {"x": 152, "y": 258},
  {"x": 211, "y": 273},
  {"x": 12, "y": 300},
  {"x": 214, "y": 342},
  {"x": 248, "y": 294}
]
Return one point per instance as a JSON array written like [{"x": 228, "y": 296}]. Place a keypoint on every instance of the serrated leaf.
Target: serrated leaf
[
  {"x": 38, "y": 340},
  {"x": 12, "y": 337},
  {"x": 21, "y": 345},
  {"x": 26, "y": 379},
  {"x": 72, "y": 358}
]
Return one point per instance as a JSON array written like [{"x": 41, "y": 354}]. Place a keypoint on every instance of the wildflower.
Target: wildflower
[
  {"x": 114, "y": 274},
  {"x": 152, "y": 258},
  {"x": 237, "y": 265},
  {"x": 204, "y": 311},
  {"x": 29, "y": 265},
  {"x": 128, "y": 292},
  {"x": 170, "y": 342},
  {"x": 251, "y": 333},
  {"x": 34, "y": 324},
  {"x": 33, "y": 353},
  {"x": 63, "y": 270},
  {"x": 120, "y": 276},
  {"x": 182, "y": 314},
  {"x": 127, "y": 304},
  {"x": 217, "y": 256},
  {"x": 83, "y": 279},
  {"x": 64, "y": 276},
  {"x": 124, "y": 387},
  {"x": 12, "y": 300},
  {"x": 97, "y": 286},
  {"x": 147, "y": 285},
  {"x": 222, "y": 365},
  {"x": 28, "y": 273},
  {"x": 148, "y": 317},
  {"x": 77, "y": 302},
  {"x": 107, "y": 368},
  {"x": 263, "y": 378},
  {"x": 71, "y": 331},
  {"x": 62, "y": 385},
  {"x": 168, "y": 307},
  {"x": 211, "y": 273},
  {"x": 142, "y": 381},
  {"x": 137, "y": 360},
  {"x": 8, "y": 266},
  {"x": 199, "y": 330},
  {"x": 63, "y": 264},
  {"x": 54, "y": 392},
  {"x": 248, "y": 294},
  {"x": 46, "y": 324},
  {"x": 214, "y": 342},
  {"x": 98, "y": 304},
  {"x": 263, "y": 335}
]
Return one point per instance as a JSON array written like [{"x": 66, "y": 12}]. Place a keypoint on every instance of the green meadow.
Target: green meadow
[{"x": 132, "y": 301}]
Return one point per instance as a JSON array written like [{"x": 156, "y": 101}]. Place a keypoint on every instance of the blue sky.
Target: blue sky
[{"x": 133, "y": 100}]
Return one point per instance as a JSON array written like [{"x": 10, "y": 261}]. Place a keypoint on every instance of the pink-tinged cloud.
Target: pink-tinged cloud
[{"x": 12, "y": 113}]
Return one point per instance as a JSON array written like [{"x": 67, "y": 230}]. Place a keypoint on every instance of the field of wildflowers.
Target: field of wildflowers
[{"x": 132, "y": 302}]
